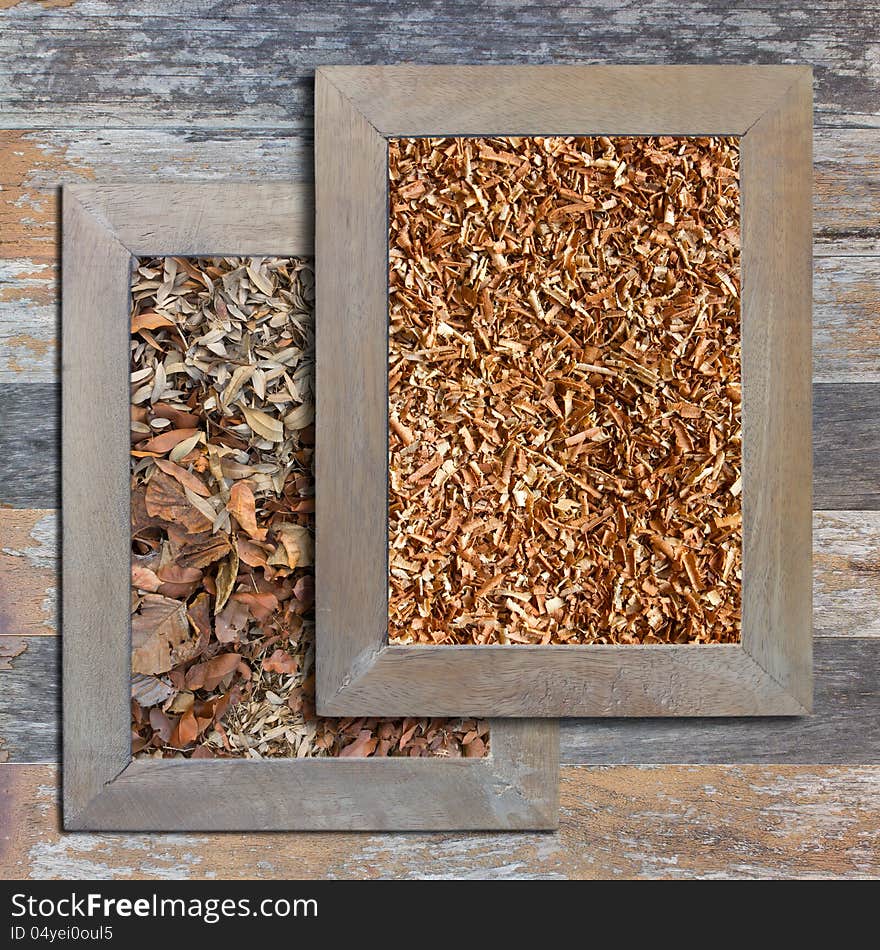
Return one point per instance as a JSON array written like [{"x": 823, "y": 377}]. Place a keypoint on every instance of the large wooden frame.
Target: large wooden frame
[
  {"x": 514, "y": 787},
  {"x": 357, "y": 110}
]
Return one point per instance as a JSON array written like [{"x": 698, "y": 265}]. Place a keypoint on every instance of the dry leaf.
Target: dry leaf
[
  {"x": 242, "y": 507},
  {"x": 264, "y": 425},
  {"x": 226, "y": 577},
  {"x": 160, "y": 635}
]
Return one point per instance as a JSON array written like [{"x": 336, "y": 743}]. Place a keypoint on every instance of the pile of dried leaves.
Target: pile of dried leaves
[
  {"x": 564, "y": 380},
  {"x": 222, "y": 502}
]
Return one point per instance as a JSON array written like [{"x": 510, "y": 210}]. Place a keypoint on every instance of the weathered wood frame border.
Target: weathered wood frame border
[
  {"x": 357, "y": 110},
  {"x": 515, "y": 787}
]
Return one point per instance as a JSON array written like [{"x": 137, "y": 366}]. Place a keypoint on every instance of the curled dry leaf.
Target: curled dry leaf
[
  {"x": 227, "y": 574},
  {"x": 242, "y": 507}
]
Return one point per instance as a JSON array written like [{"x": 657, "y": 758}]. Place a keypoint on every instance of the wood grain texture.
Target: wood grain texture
[
  {"x": 846, "y": 573},
  {"x": 34, "y": 163},
  {"x": 846, "y": 191},
  {"x": 30, "y": 709},
  {"x": 564, "y": 100},
  {"x": 351, "y": 390},
  {"x": 770, "y": 673},
  {"x": 846, "y": 446},
  {"x": 204, "y": 219},
  {"x": 622, "y": 822},
  {"x": 846, "y": 443},
  {"x": 775, "y": 183},
  {"x": 29, "y": 445},
  {"x": 515, "y": 787},
  {"x": 28, "y": 572},
  {"x": 249, "y": 63},
  {"x": 845, "y": 726},
  {"x": 96, "y": 547},
  {"x": 846, "y": 319}
]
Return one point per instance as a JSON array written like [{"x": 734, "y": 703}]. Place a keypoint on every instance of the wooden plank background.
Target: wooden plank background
[{"x": 222, "y": 90}]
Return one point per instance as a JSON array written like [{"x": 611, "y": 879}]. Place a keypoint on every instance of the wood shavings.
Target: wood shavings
[
  {"x": 222, "y": 491},
  {"x": 564, "y": 390}
]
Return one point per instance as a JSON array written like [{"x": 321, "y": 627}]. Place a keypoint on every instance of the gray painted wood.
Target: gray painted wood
[
  {"x": 213, "y": 63},
  {"x": 844, "y": 727},
  {"x": 30, "y": 703},
  {"x": 846, "y": 445},
  {"x": 29, "y": 445}
]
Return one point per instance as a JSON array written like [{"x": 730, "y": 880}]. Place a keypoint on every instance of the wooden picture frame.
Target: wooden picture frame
[
  {"x": 514, "y": 787},
  {"x": 357, "y": 110}
]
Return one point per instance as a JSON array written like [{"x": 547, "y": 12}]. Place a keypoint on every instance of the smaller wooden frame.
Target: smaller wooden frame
[
  {"x": 357, "y": 110},
  {"x": 514, "y": 787}
]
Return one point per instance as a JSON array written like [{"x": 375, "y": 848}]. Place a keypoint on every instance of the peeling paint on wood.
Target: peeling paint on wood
[
  {"x": 846, "y": 319},
  {"x": 846, "y": 573},
  {"x": 28, "y": 214},
  {"x": 248, "y": 63},
  {"x": 28, "y": 572},
  {"x": 627, "y": 822},
  {"x": 10, "y": 647}
]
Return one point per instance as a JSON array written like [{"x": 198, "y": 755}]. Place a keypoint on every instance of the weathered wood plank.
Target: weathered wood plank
[
  {"x": 846, "y": 319},
  {"x": 846, "y": 446},
  {"x": 845, "y": 727},
  {"x": 28, "y": 572},
  {"x": 30, "y": 701},
  {"x": 629, "y": 822},
  {"x": 845, "y": 434},
  {"x": 846, "y": 573},
  {"x": 846, "y": 191},
  {"x": 29, "y": 446},
  {"x": 227, "y": 62}
]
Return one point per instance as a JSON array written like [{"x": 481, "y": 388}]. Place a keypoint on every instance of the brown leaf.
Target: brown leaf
[
  {"x": 149, "y": 320},
  {"x": 297, "y": 543},
  {"x": 186, "y": 731},
  {"x": 177, "y": 417},
  {"x": 231, "y": 621},
  {"x": 199, "y": 616},
  {"x": 160, "y": 635},
  {"x": 281, "y": 662},
  {"x": 208, "y": 675},
  {"x": 251, "y": 553},
  {"x": 262, "y": 606},
  {"x": 166, "y": 499},
  {"x": 226, "y": 576},
  {"x": 142, "y": 578},
  {"x": 160, "y": 444},
  {"x": 198, "y": 550},
  {"x": 242, "y": 507},
  {"x": 364, "y": 745},
  {"x": 186, "y": 478}
]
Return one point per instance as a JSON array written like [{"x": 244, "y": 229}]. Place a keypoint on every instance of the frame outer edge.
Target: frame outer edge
[{"x": 95, "y": 545}]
